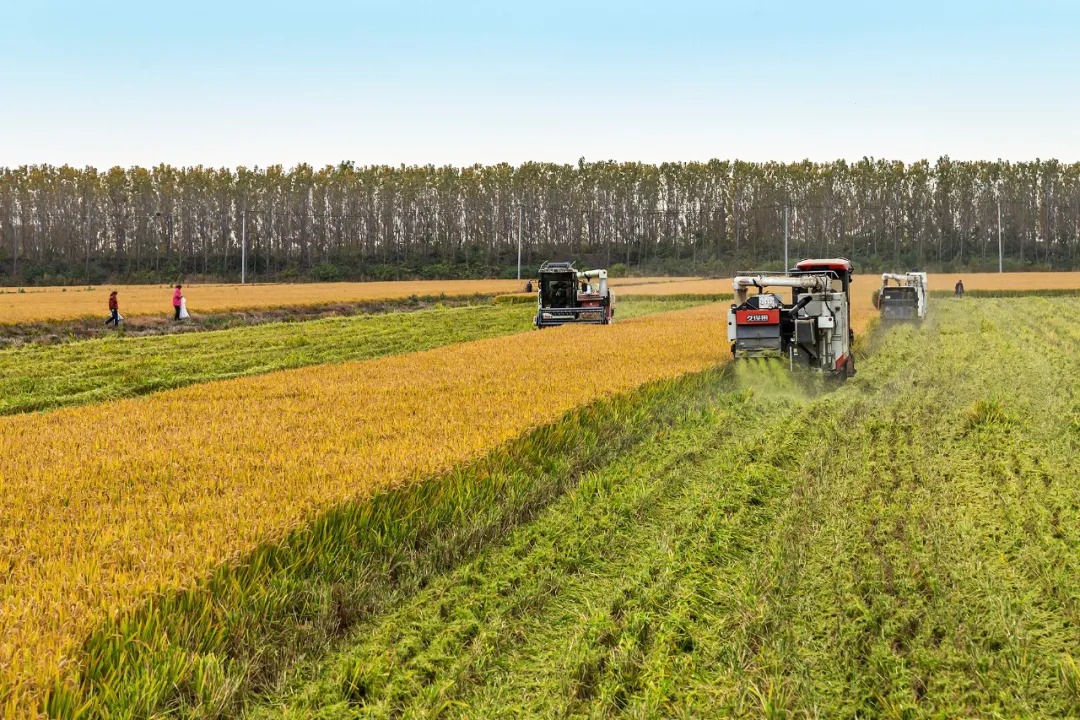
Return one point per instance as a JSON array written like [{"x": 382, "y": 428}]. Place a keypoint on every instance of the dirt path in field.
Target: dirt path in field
[{"x": 48, "y": 333}]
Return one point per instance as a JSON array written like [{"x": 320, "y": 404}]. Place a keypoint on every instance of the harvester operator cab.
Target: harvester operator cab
[{"x": 558, "y": 286}]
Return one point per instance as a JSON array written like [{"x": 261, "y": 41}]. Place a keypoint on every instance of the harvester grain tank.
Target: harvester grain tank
[
  {"x": 568, "y": 296},
  {"x": 905, "y": 299},
  {"x": 812, "y": 330}
]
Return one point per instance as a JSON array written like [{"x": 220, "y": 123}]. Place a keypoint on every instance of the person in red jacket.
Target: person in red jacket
[
  {"x": 177, "y": 300},
  {"x": 114, "y": 310}
]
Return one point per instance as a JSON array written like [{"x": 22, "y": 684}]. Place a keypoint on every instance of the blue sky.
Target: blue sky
[{"x": 255, "y": 83}]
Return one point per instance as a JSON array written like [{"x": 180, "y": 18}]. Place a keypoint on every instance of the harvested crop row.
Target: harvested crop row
[
  {"x": 54, "y": 303},
  {"x": 105, "y": 504},
  {"x": 901, "y": 547}
]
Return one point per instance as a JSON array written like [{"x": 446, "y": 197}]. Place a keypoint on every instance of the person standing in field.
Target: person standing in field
[
  {"x": 114, "y": 310},
  {"x": 177, "y": 301},
  {"x": 959, "y": 289}
]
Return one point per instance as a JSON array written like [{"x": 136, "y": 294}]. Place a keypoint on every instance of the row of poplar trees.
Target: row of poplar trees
[{"x": 69, "y": 225}]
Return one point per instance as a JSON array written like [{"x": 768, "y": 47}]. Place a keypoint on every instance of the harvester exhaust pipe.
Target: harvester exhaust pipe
[{"x": 803, "y": 302}]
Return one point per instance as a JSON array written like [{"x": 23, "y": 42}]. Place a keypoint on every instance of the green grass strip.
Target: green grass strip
[{"x": 41, "y": 377}]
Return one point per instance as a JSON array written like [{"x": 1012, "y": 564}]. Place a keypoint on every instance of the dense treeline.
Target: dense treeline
[{"x": 64, "y": 224}]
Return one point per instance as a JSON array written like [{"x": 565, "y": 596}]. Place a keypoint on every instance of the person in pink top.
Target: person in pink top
[{"x": 177, "y": 299}]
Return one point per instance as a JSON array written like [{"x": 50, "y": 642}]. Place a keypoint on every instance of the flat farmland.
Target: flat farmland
[
  {"x": 105, "y": 504},
  {"x": 44, "y": 376},
  {"x": 903, "y": 546},
  {"x": 443, "y": 513},
  {"x": 38, "y": 304},
  {"x": 55, "y": 304},
  {"x": 1007, "y": 281}
]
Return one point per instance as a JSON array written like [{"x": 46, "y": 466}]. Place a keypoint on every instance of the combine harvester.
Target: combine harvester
[
  {"x": 904, "y": 301},
  {"x": 813, "y": 330},
  {"x": 568, "y": 296}
]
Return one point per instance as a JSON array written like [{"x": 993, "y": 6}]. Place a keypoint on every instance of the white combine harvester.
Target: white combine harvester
[
  {"x": 905, "y": 300},
  {"x": 812, "y": 330}
]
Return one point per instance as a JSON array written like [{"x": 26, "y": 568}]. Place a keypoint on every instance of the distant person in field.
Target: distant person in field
[
  {"x": 114, "y": 310},
  {"x": 177, "y": 300},
  {"x": 528, "y": 286},
  {"x": 959, "y": 290}
]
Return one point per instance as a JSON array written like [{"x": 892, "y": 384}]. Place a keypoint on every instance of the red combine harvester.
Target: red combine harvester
[
  {"x": 812, "y": 330},
  {"x": 567, "y": 296}
]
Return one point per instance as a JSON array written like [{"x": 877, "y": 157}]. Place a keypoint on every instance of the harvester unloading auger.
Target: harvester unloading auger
[
  {"x": 813, "y": 330},
  {"x": 906, "y": 300},
  {"x": 568, "y": 296}
]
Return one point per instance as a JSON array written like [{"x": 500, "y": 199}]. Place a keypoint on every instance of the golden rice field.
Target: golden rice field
[
  {"x": 68, "y": 303},
  {"x": 1007, "y": 281},
  {"x": 38, "y": 304},
  {"x": 107, "y": 503},
  {"x": 862, "y": 312}
]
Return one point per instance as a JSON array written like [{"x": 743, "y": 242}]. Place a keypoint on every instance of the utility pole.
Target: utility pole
[
  {"x": 1000, "y": 261},
  {"x": 243, "y": 248},
  {"x": 519, "y": 242},
  {"x": 786, "y": 265}
]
